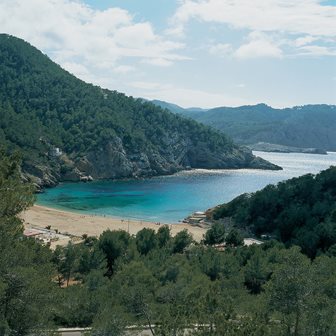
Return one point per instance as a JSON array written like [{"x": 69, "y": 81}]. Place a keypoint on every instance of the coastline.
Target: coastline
[{"x": 77, "y": 224}]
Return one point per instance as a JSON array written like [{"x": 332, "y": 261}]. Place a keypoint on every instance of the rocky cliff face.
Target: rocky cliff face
[{"x": 113, "y": 161}]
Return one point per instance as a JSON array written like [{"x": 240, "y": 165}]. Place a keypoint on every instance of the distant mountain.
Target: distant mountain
[
  {"x": 309, "y": 126},
  {"x": 176, "y": 108},
  {"x": 71, "y": 130}
]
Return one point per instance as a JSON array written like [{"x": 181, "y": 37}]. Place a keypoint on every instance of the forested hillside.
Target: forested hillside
[
  {"x": 153, "y": 280},
  {"x": 70, "y": 130},
  {"x": 300, "y": 211},
  {"x": 309, "y": 126}
]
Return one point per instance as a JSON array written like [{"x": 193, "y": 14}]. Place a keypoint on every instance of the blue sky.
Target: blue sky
[{"x": 203, "y": 53}]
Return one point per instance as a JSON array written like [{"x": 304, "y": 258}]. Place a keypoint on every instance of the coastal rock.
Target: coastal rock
[
  {"x": 73, "y": 175},
  {"x": 237, "y": 158},
  {"x": 86, "y": 178},
  {"x": 113, "y": 162},
  {"x": 42, "y": 176},
  {"x": 109, "y": 162}
]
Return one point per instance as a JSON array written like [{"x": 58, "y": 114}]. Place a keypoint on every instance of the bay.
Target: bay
[{"x": 169, "y": 199}]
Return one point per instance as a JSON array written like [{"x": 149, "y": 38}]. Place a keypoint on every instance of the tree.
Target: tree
[
  {"x": 256, "y": 272},
  {"x": 163, "y": 235},
  {"x": 290, "y": 289},
  {"x": 57, "y": 259},
  {"x": 68, "y": 263},
  {"x": 15, "y": 196},
  {"x": 108, "y": 324},
  {"x": 215, "y": 235},
  {"x": 211, "y": 263},
  {"x": 135, "y": 287},
  {"x": 114, "y": 245},
  {"x": 26, "y": 289},
  {"x": 321, "y": 304},
  {"x": 182, "y": 240},
  {"x": 234, "y": 238},
  {"x": 146, "y": 240},
  {"x": 90, "y": 258}
]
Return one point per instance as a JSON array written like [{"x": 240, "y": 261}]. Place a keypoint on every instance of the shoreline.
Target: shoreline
[
  {"x": 87, "y": 214},
  {"x": 77, "y": 224}
]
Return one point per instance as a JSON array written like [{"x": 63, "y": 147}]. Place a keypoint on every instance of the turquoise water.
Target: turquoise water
[{"x": 171, "y": 198}]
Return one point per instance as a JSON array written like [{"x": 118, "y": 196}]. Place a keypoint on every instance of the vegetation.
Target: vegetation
[
  {"x": 300, "y": 211},
  {"x": 165, "y": 283},
  {"x": 43, "y": 107},
  {"x": 26, "y": 289},
  {"x": 300, "y": 126}
]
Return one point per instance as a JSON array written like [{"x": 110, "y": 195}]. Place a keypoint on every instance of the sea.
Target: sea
[{"x": 169, "y": 199}]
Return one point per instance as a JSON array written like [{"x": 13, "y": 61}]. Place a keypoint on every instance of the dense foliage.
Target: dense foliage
[
  {"x": 300, "y": 126},
  {"x": 258, "y": 290},
  {"x": 154, "y": 280},
  {"x": 300, "y": 211},
  {"x": 43, "y": 107},
  {"x": 26, "y": 290}
]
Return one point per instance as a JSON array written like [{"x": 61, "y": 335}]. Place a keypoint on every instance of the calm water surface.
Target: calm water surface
[{"x": 171, "y": 198}]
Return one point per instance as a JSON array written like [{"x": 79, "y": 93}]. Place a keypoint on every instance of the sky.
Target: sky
[{"x": 194, "y": 53}]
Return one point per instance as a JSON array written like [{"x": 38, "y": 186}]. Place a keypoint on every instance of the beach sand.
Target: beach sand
[{"x": 78, "y": 224}]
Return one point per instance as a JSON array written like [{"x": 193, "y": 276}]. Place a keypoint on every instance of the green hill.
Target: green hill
[
  {"x": 300, "y": 211},
  {"x": 309, "y": 126},
  {"x": 71, "y": 130}
]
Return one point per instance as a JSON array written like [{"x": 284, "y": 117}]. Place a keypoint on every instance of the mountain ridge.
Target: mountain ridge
[
  {"x": 307, "y": 126},
  {"x": 69, "y": 130}
]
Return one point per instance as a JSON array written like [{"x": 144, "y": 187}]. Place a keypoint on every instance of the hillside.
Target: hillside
[
  {"x": 70, "y": 130},
  {"x": 309, "y": 126},
  {"x": 300, "y": 211}
]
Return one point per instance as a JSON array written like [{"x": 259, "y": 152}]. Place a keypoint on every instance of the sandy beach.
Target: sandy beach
[{"x": 78, "y": 224}]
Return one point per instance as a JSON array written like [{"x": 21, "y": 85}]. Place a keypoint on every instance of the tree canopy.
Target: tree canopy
[{"x": 300, "y": 211}]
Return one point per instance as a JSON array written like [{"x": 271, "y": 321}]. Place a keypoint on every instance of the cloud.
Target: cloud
[
  {"x": 259, "y": 45},
  {"x": 76, "y": 68},
  {"x": 158, "y": 62},
  {"x": 314, "y": 50},
  {"x": 148, "y": 85},
  {"x": 181, "y": 96},
  {"x": 202, "y": 98},
  {"x": 257, "y": 49},
  {"x": 123, "y": 69},
  {"x": 221, "y": 49},
  {"x": 301, "y": 41},
  {"x": 73, "y": 33},
  {"x": 292, "y": 16},
  {"x": 300, "y": 22}
]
